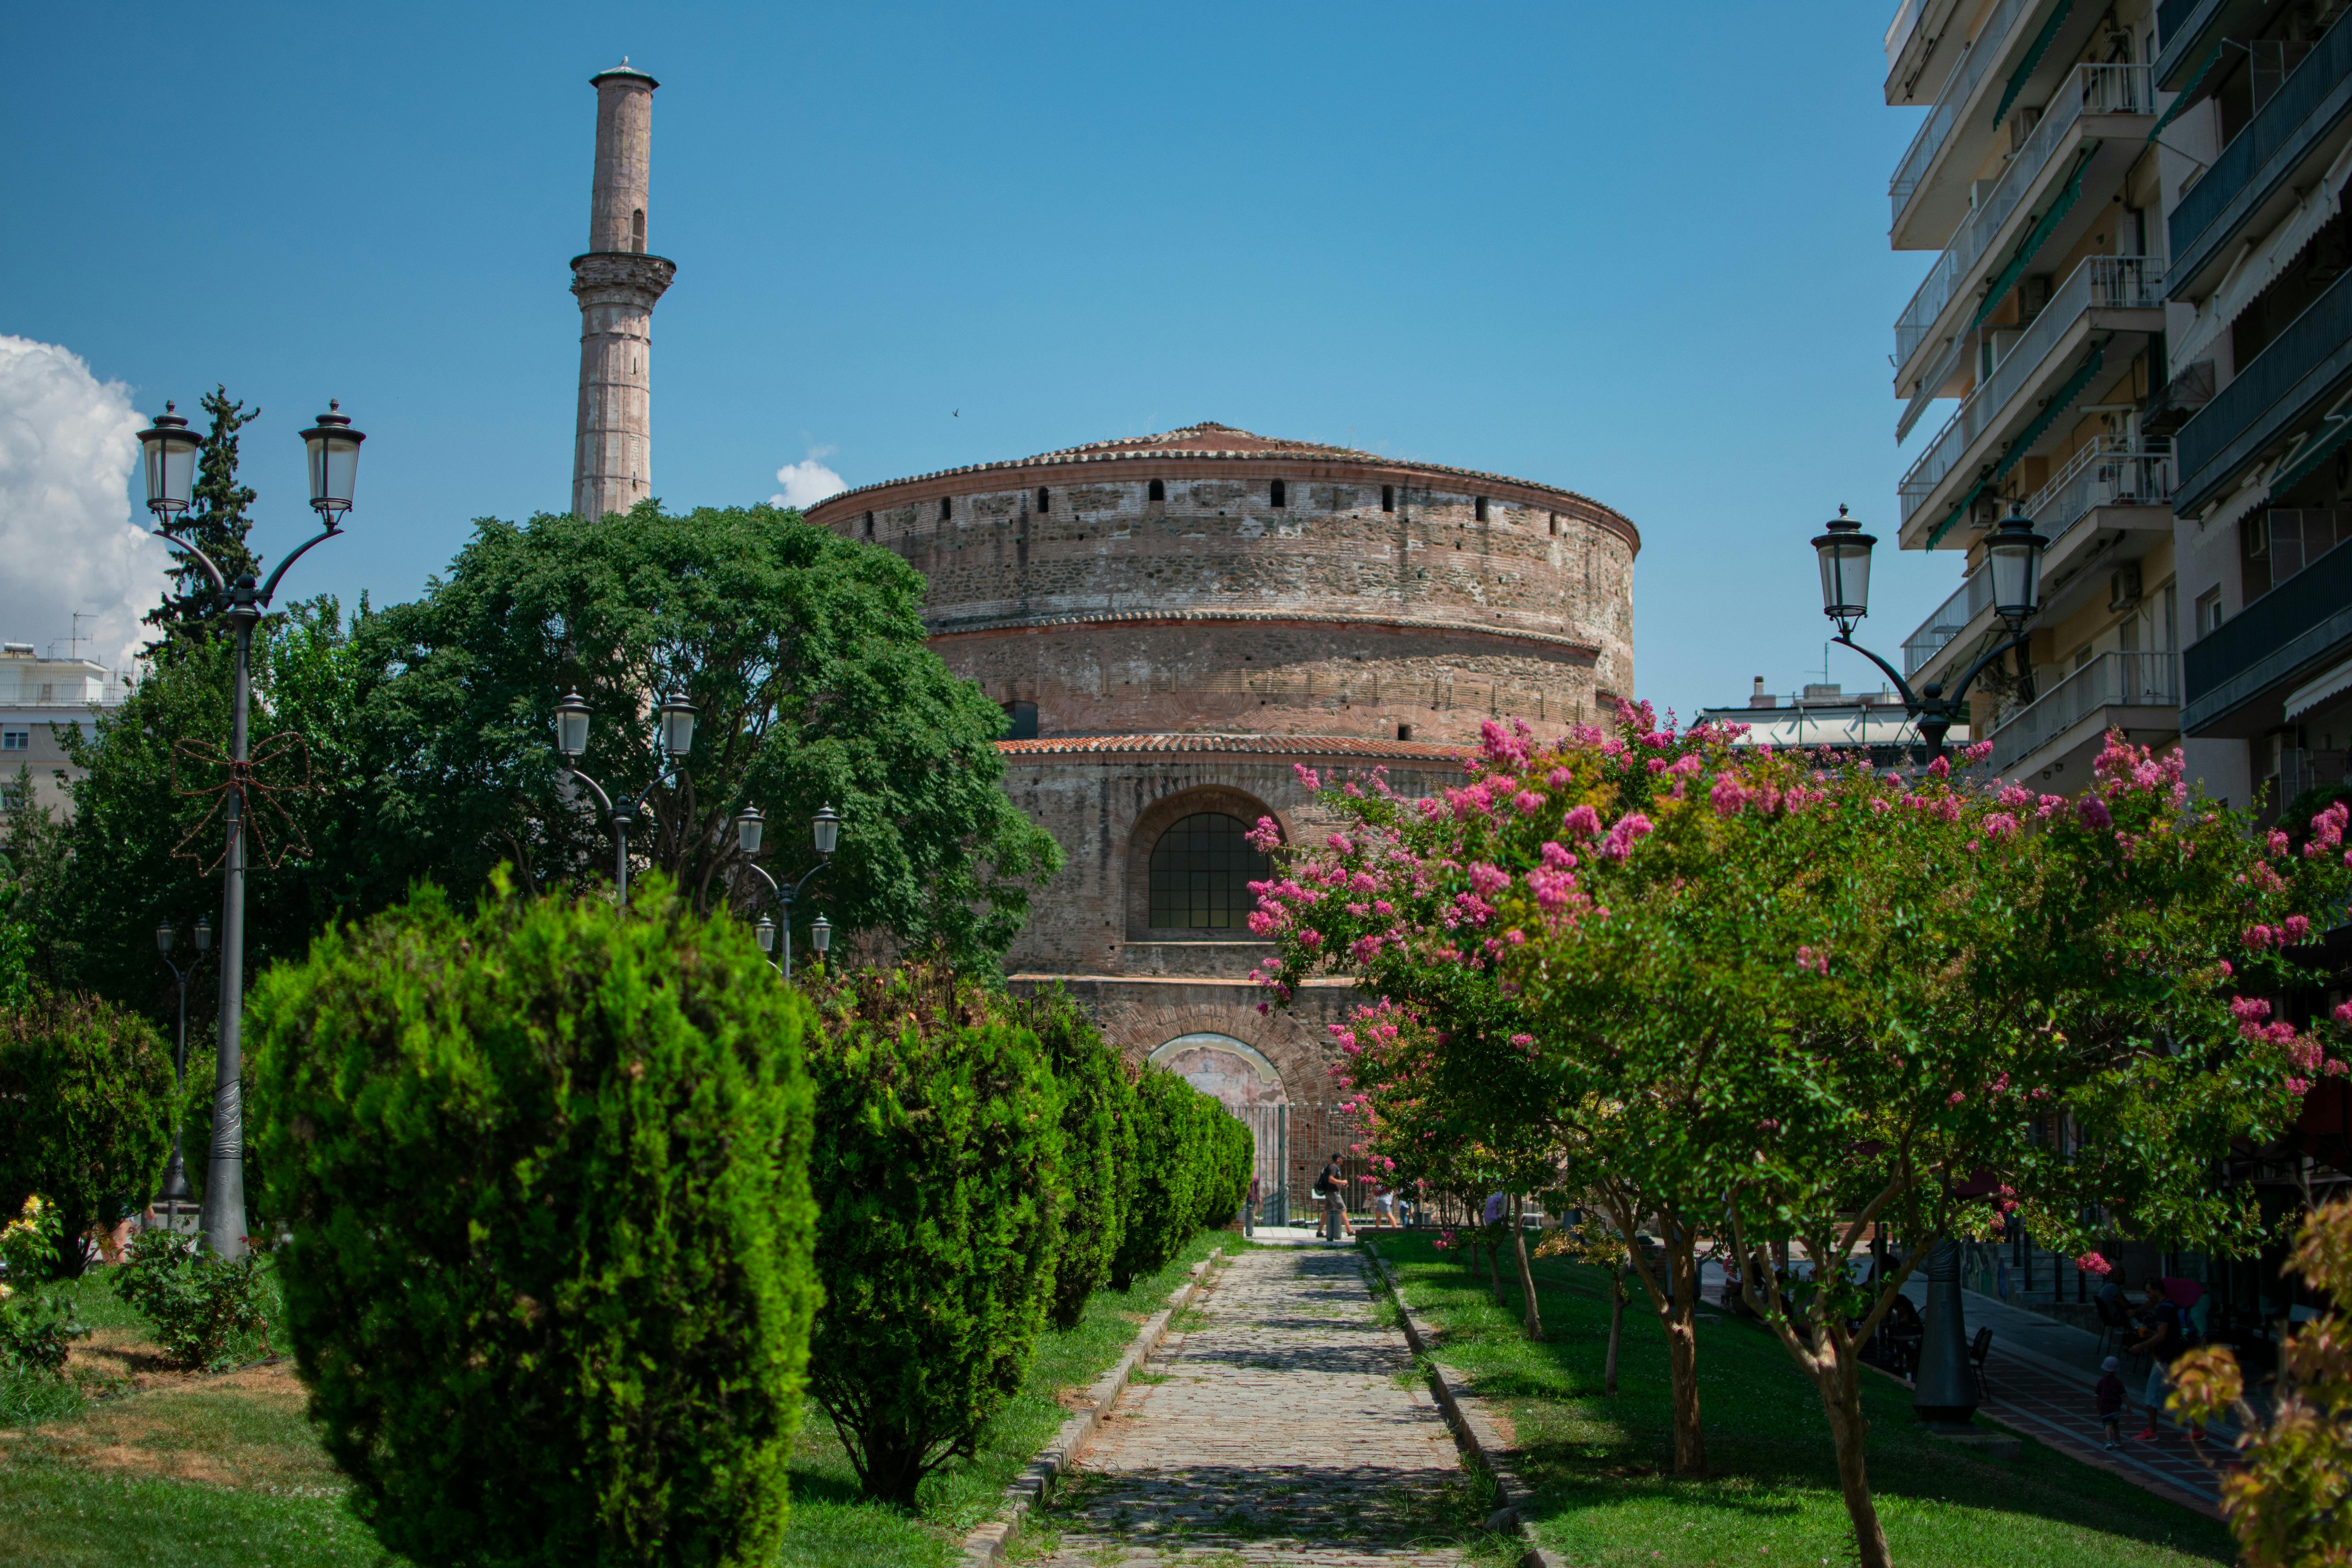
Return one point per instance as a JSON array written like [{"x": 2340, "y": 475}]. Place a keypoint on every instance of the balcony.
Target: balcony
[
  {"x": 1958, "y": 613},
  {"x": 2302, "y": 126},
  {"x": 2109, "y": 296},
  {"x": 2277, "y": 392},
  {"x": 2138, "y": 693},
  {"x": 1956, "y": 104},
  {"x": 2108, "y": 108},
  {"x": 2239, "y": 674}
]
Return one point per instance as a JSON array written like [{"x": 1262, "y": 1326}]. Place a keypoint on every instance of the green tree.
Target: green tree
[
  {"x": 85, "y": 1112},
  {"x": 218, "y": 522},
  {"x": 804, "y": 655},
  {"x": 1099, "y": 1114},
  {"x": 545, "y": 1168},
  {"x": 938, "y": 1169}
]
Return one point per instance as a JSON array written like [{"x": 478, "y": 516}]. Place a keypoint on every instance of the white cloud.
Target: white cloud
[
  {"x": 808, "y": 481},
  {"x": 68, "y": 444}
]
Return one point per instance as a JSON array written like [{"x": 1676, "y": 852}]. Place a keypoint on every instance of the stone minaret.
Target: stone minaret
[{"x": 617, "y": 282}]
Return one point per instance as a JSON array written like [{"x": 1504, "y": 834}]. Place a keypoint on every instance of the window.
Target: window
[
  {"x": 1555, "y": 524},
  {"x": 2208, "y": 611},
  {"x": 12, "y": 797},
  {"x": 1044, "y": 498},
  {"x": 946, "y": 509},
  {"x": 1404, "y": 732},
  {"x": 1020, "y": 720},
  {"x": 1156, "y": 491},
  {"x": 1281, "y": 496},
  {"x": 637, "y": 231},
  {"x": 1201, "y": 871},
  {"x": 1480, "y": 506},
  {"x": 15, "y": 740},
  {"x": 1388, "y": 498},
  {"x": 869, "y": 525}
]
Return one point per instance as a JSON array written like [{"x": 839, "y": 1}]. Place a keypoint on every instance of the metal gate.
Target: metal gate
[{"x": 1269, "y": 1127}]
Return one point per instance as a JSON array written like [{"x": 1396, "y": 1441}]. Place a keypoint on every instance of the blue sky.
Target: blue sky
[{"x": 1636, "y": 253}]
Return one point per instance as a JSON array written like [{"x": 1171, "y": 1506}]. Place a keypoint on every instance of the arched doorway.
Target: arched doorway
[{"x": 1249, "y": 1086}]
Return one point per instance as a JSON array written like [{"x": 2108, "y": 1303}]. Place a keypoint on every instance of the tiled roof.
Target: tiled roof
[
  {"x": 943, "y": 627},
  {"x": 1262, "y": 745},
  {"x": 1210, "y": 440}
]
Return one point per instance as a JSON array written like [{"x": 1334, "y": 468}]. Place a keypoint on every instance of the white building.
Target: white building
[
  {"x": 1856, "y": 723},
  {"x": 42, "y": 701}
]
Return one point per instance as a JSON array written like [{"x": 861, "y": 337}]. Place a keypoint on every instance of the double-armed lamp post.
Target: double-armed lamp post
[
  {"x": 1943, "y": 1388},
  {"x": 176, "y": 1197},
  {"x": 170, "y": 450},
  {"x": 676, "y": 716},
  {"x": 2013, "y": 556},
  {"x": 825, "y": 831}
]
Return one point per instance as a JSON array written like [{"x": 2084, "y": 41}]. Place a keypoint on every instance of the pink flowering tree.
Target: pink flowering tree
[{"x": 1805, "y": 1001}]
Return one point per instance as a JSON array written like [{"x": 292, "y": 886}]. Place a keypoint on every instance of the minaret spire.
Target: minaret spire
[{"x": 617, "y": 283}]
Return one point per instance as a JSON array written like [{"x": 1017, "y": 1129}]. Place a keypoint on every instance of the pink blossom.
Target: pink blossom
[
  {"x": 2257, "y": 937},
  {"x": 1729, "y": 796},
  {"x": 2298, "y": 1087},
  {"x": 1523, "y": 1041},
  {"x": 1816, "y": 960},
  {"x": 2344, "y": 1013},
  {"x": 2091, "y": 1263},
  {"x": 1310, "y": 939},
  {"x": 1971, "y": 755},
  {"x": 1999, "y": 824},
  {"x": 2017, "y": 797},
  {"x": 1551, "y": 887},
  {"x": 1266, "y": 836},
  {"x": 1956, "y": 1099},
  {"x": 1623, "y": 833},
  {"x": 1941, "y": 767},
  {"x": 1528, "y": 802},
  {"x": 1488, "y": 881},
  {"x": 2247, "y": 1008},
  {"x": 2276, "y": 841},
  {"x": 2093, "y": 813},
  {"x": 1557, "y": 855},
  {"x": 1559, "y": 778},
  {"x": 2298, "y": 928},
  {"x": 1584, "y": 822},
  {"x": 1306, "y": 775}
]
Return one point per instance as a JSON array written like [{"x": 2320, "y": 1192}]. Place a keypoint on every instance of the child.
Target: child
[{"x": 2110, "y": 1394}]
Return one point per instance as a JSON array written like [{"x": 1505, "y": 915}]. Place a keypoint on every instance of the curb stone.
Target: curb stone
[
  {"x": 1474, "y": 1429},
  {"x": 986, "y": 1545}
]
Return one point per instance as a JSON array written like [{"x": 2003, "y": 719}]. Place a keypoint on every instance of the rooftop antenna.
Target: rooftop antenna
[{"x": 73, "y": 643}]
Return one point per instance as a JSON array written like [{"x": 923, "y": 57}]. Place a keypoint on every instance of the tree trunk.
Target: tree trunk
[
  {"x": 1681, "y": 1349},
  {"x": 1840, "y": 1390},
  {"x": 1616, "y": 1329},
  {"x": 1534, "y": 1321}
]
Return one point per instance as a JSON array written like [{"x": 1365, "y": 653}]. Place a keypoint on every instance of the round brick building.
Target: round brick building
[{"x": 1173, "y": 625}]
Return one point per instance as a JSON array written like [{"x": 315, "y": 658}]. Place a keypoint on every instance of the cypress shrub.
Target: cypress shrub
[
  {"x": 1097, "y": 1147},
  {"x": 545, "y": 1169},
  {"x": 1227, "y": 1154},
  {"x": 1167, "y": 1204},
  {"x": 938, "y": 1171},
  {"x": 85, "y": 1112}
]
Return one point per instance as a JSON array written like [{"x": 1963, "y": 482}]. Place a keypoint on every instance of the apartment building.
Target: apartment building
[
  {"x": 2255, "y": 152},
  {"x": 40, "y": 700},
  {"x": 1866, "y": 724},
  {"x": 2035, "y": 183}
]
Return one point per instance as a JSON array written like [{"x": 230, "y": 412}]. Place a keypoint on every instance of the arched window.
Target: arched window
[
  {"x": 1158, "y": 490},
  {"x": 1281, "y": 496},
  {"x": 1201, "y": 871},
  {"x": 1044, "y": 498},
  {"x": 637, "y": 231}
]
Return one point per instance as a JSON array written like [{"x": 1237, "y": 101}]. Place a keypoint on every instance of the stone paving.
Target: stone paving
[{"x": 1279, "y": 1422}]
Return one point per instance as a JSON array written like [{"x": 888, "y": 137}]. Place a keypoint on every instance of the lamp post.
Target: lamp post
[
  {"x": 824, "y": 833},
  {"x": 2013, "y": 556},
  {"x": 170, "y": 449},
  {"x": 176, "y": 1197},
  {"x": 676, "y": 716},
  {"x": 1943, "y": 1392}
]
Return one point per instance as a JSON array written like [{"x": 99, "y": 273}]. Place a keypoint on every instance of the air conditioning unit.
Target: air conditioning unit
[{"x": 2122, "y": 588}]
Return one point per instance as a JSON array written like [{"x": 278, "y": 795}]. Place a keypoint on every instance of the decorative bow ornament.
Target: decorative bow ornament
[{"x": 272, "y": 830}]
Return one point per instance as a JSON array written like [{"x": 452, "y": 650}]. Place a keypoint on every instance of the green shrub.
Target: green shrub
[
  {"x": 545, "y": 1170},
  {"x": 1228, "y": 1155},
  {"x": 938, "y": 1180},
  {"x": 85, "y": 1112},
  {"x": 38, "y": 1321},
  {"x": 1167, "y": 1204},
  {"x": 200, "y": 1305},
  {"x": 1097, "y": 1147}
]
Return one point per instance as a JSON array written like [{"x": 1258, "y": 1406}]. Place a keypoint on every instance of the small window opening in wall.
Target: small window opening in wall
[
  {"x": 1482, "y": 508},
  {"x": 1555, "y": 525},
  {"x": 869, "y": 525},
  {"x": 1388, "y": 498},
  {"x": 637, "y": 231},
  {"x": 1281, "y": 496},
  {"x": 1158, "y": 490},
  {"x": 946, "y": 509},
  {"x": 1021, "y": 721},
  {"x": 1044, "y": 498},
  {"x": 1404, "y": 732}
]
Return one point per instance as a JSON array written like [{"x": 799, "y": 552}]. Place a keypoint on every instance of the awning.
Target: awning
[
  {"x": 2041, "y": 46},
  {"x": 2059, "y": 401},
  {"x": 1959, "y": 510},
  {"x": 2035, "y": 238},
  {"x": 2311, "y": 693},
  {"x": 2322, "y": 445},
  {"x": 2188, "y": 94}
]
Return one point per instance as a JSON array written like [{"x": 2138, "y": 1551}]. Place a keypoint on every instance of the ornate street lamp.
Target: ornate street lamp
[
  {"x": 675, "y": 724},
  {"x": 2013, "y": 556},
  {"x": 169, "y": 450},
  {"x": 176, "y": 1197},
  {"x": 824, "y": 833}
]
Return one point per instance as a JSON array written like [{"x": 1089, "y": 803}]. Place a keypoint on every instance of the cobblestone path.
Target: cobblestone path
[
  {"x": 1283, "y": 1425},
  {"x": 2059, "y": 1412}
]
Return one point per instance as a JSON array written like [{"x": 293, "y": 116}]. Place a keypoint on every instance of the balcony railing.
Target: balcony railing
[
  {"x": 2300, "y": 620},
  {"x": 2090, "y": 89},
  {"x": 2109, "y": 680},
  {"x": 1967, "y": 72},
  {"x": 2100, "y": 283},
  {"x": 2112, "y": 470},
  {"x": 2246, "y": 415},
  {"x": 2310, "y": 90},
  {"x": 1950, "y": 619}
]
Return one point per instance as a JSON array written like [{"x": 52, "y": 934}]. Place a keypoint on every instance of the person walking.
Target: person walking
[
  {"x": 2109, "y": 1392},
  {"x": 2164, "y": 1341},
  {"x": 1331, "y": 1186},
  {"x": 1249, "y": 1205}
]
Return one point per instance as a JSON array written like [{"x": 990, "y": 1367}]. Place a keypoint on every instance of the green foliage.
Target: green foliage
[
  {"x": 201, "y": 1306},
  {"x": 806, "y": 658},
  {"x": 1099, "y": 1114},
  {"x": 37, "y": 1325},
  {"x": 85, "y": 1112},
  {"x": 15, "y": 930},
  {"x": 544, "y": 1167},
  {"x": 938, "y": 1170},
  {"x": 1227, "y": 1160},
  {"x": 215, "y": 522},
  {"x": 1192, "y": 1168}
]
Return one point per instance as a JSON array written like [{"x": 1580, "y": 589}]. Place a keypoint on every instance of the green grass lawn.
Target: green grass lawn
[
  {"x": 1598, "y": 1466},
  {"x": 141, "y": 1466}
]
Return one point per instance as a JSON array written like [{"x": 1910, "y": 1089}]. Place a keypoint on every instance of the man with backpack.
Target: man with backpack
[{"x": 1331, "y": 1186}]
